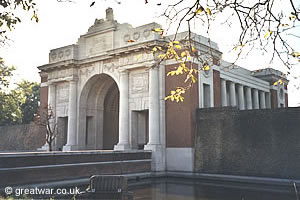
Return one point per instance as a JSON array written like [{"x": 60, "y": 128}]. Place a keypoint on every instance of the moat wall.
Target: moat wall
[
  {"x": 248, "y": 143},
  {"x": 24, "y": 137}
]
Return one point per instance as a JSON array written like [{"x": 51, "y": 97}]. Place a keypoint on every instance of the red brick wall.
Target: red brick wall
[
  {"x": 44, "y": 94},
  {"x": 217, "y": 88},
  {"x": 180, "y": 117},
  {"x": 274, "y": 100}
]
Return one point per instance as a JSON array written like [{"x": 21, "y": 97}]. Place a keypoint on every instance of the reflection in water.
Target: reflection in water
[{"x": 170, "y": 189}]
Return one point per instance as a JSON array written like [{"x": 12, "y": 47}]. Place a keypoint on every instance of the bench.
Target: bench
[{"x": 107, "y": 187}]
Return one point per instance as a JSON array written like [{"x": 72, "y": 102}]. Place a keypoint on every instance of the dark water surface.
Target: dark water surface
[
  {"x": 175, "y": 189},
  {"x": 192, "y": 189}
]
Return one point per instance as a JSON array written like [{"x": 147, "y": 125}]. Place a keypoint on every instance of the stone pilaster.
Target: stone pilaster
[
  {"x": 154, "y": 107},
  {"x": 123, "y": 143},
  {"x": 248, "y": 98},
  {"x": 52, "y": 96},
  {"x": 255, "y": 99},
  {"x": 72, "y": 117},
  {"x": 223, "y": 93},
  {"x": 154, "y": 143},
  {"x": 232, "y": 95},
  {"x": 241, "y": 97},
  {"x": 262, "y": 99}
]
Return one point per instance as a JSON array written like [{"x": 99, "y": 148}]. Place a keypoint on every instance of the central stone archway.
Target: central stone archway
[{"x": 99, "y": 113}]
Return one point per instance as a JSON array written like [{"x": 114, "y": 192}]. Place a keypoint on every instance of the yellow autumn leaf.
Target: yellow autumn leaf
[
  {"x": 139, "y": 56},
  {"x": 276, "y": 83},
  {"x": 183, "y": 54},
  {"x": 171, "y": 73},
  {"x": 269, "y": 33},
  {"x": 178, "y": 46},
  {"x": 157, "y": 30},
  {"x": 206, "y": 68},
  {"x": 179, "y": 70},
  {"x": 175, "y": 42},
  {"x": 295, "y": 54},
  {"x": 162, "y": 56},
  {"x": 194, "y": 50},
  {"x": 208, "y": 11},
  {"x": 266, "y": 35},
  {"x": 181, "y": 98},
  {"x": 199, "y": 10}
]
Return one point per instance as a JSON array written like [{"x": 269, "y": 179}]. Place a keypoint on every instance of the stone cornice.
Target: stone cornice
[
  {"x": 111, "y": 54},
  {"x": 58, "y": 65}
]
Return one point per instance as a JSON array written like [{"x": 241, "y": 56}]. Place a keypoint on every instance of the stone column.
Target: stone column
[
  {"x": 232, "y": 95},
  {"x": 262, "y": 100},
  {"x": 154, "y": 107},
  {"x": 248, "y": 98},
  {"x": 223, "y": 93},
  {"x": 52, "y": 96},
  {"x": 241, "y": 97},
  {"x": 154, "y": 143},
  {"x": 72, "y": 117},
  {"x": 123, "y": 112},
  {"x": 255, "y": 99}
]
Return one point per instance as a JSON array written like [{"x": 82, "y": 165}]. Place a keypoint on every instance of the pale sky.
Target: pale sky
[{"x": 62, "y": 24}]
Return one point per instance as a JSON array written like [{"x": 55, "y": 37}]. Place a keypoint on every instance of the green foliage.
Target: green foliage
[
  {"x": 8, "y": 19},
  {"x": 5, "y": 73},
  {"x": 19, "y": 105},
  {"x": 29, "y": 94},
  {"x": 10, "y": 111}
]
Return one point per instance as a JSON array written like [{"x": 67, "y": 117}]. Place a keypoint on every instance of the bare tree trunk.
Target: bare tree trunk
[{"x": 50, "y": 145}]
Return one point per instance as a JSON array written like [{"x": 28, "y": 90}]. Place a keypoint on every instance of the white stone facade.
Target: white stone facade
[{"x": 108, "y": 93}]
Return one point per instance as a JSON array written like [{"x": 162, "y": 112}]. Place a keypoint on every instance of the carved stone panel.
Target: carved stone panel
[
  {"x": 62, "y": 93},
  {"x": 60, "y": 74},
  {"x": 64, "y": 53},
  {"x": 135, "y": 58},
  {"x": 87, "y": 71},
  {"x": 139, "y": 83},
  {"x": 111, "y": 65},
  {"x": 98, "y": 44}
]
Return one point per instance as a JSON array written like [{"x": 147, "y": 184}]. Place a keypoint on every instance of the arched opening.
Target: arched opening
[{"x": 99, "y": 113}]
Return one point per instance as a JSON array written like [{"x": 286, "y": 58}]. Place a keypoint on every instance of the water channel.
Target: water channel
[
  {"x": 186, "y": 189},
  {"x": 195, "y": 189}
]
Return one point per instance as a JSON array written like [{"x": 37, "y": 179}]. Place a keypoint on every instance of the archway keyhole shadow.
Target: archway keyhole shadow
[{"x": 98, "y": 118}]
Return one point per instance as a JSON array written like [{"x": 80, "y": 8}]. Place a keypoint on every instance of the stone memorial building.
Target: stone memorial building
[{"x": 107, "y": 95}]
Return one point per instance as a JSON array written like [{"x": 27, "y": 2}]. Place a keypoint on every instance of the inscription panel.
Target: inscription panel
[
  {"x": 98, "y": 44},
  {"x": 59, "y": 74},
  {"x": 139, "y": 83},
  {"x": 62, "y": 93}
]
